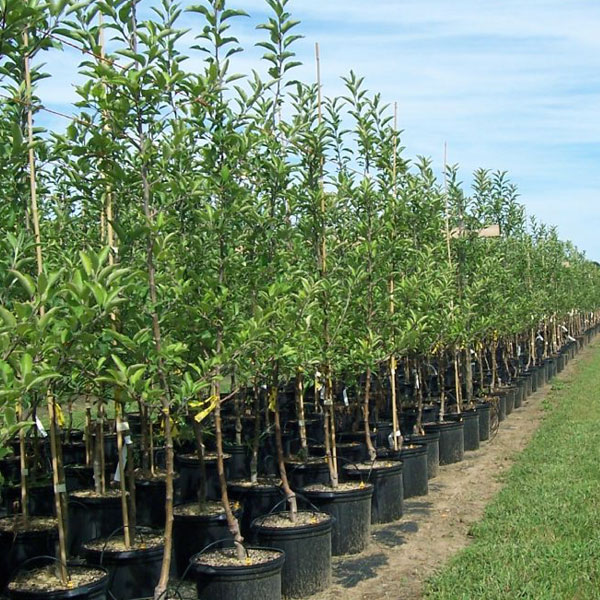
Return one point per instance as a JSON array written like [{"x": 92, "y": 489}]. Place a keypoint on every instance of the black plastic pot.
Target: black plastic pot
[
  {"x": 111, "y": 452},
  {"x": 78, "y": 477},
  {"x": 303, "y": 474},
  {"x": 554, "y": 365},
  {"x": 307, "y": 566},
  {"x": 541, "y": 376},
  {"x": 408, "y": 417},
  {"x": 40, "y": 499},
  {"x": 387, "y": 503},
  {"x": 189, "y": 476},
  {"x": 414, "y": 470},
  {"x": 519, "y": 392},
  {"x": 510, "y": 400},
  {"x": 256, "y": 501},
  {"x": 359, "y": 437},
  {"x": 244, "y": 582},
  {"x": 471, "y": 429},
  {"x": 91, "y": 518},
  {"x": 527, "y": 378},
  {"x": 96, "y": 590},
  {"x": 150, "y": 498},
  {"x": 73, "y": 453},
  {"x": 452, "y": 440},
  {"x": 483, "y": 411},
  {"x": 192, "y": 533},
  {"x": 17, "y": 547},
  {"x": 347, "y": 453},
  {"x": 432, "y": 440},
  {"x": 238, "y": 465},
  {"x": 351, "y": 512},
  {"x": 383, "y": 430},
  {"x": 314, "y": 431},
  {"x": 132, "y": 573},
  {"x": 10, "y": 469},
  {"x": 533, "y": 373},
  {"x": 501, "y": 406}
]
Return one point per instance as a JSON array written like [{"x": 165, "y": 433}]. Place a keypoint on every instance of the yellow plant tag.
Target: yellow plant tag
[
  {"x": 205, "y": 408},
  {"x": 60, "y": 417},
  {"x": 272, "y": 399}
]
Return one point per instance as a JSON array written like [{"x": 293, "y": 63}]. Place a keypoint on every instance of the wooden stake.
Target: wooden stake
[
  {"x": 330, "y": 446},
  {"x": 59, "y": 486},
  {"x": 121, "y": 466},
  {"x": 393, "y": 357}
]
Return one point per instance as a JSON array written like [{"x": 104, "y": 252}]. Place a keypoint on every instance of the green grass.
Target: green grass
[{"x": 540, "y": 537}]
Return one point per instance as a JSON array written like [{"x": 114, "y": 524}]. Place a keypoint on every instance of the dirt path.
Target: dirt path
[{"x": 434, "y": 527}]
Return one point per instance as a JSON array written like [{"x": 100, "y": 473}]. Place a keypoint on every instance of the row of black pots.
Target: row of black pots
[
  {"x": 449, "y": 439},
  {"x": 378, "y": 501}
]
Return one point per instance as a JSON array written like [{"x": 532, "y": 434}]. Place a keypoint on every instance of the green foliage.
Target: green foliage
[{"x": 258, "y": 228}]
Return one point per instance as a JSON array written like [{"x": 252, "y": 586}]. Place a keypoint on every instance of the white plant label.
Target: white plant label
[
  {"x": 345, "y": 397},
  {"x": 40, "y": 427}
]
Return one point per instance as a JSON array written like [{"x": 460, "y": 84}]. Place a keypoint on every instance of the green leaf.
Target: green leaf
[
  {"x": 26, "y": 364},
  {"x": 26, "y": 281},
  {"x": 86, "y": 261},
  {"x": 41, "y": 378},
  {"x": 120, "y": 364},
  {"x": 7, "y": 317}
]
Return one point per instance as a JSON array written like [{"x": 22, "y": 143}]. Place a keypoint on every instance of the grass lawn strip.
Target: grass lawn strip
[{"x": 539, "y": 537}]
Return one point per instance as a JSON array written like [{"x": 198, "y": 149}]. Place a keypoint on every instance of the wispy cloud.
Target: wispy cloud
[{"x": 510, "y": 85}]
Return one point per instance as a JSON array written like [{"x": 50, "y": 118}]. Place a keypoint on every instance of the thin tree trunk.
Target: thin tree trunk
[
  {"x": 442, "y": 385},
  {"x": 468, "y": 375},
  {"x": 287, "y": 490},
  {"x": 256, "y": 436},
  {"x": 202, "y": 463},
  {"x": 419, "y": 392},
  {"x": 232, "y": 522},
  {"x": 368, "y": 441},
  {"x": 457, "y": 382},
  {"x": 122, "y": 453},
  {"x": 300, "y": 409},
  {"x": 59, "y": 490}
]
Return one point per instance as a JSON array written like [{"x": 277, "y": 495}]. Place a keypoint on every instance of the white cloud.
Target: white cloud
[{"x": 508, "y": 84}]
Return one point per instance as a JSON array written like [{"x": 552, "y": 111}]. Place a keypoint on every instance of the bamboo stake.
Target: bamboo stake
[
  {"x": 300, "y": 409},
  {"x": 457, "y": 388},
  {"x": 330, "y": 447},
  {"x": 393, "y": 357},
  {"x": 122, "y": 453},
  {"x": 122, "y": 449},
  {"x": 59, "y": 486}
]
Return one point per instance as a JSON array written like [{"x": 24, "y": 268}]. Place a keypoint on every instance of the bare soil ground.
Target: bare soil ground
[{"x": 403, "y": 554}]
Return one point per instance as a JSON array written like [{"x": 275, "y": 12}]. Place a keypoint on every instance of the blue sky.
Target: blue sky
[{"x": 509, "y": 85}]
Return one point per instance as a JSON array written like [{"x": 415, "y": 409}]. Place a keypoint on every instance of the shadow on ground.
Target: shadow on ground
[{"x": 350, "y": 572}]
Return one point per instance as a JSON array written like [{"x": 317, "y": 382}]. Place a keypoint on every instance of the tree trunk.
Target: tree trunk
[
  {"x": 256, "y": 436},
  {"x": 287, "y": 490},
  {"x": 200, "y": 454},
  {"x": 468, "y": 376},
  {"x": 232, "y": 522},
  {"x": 368, "y": 441}
]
